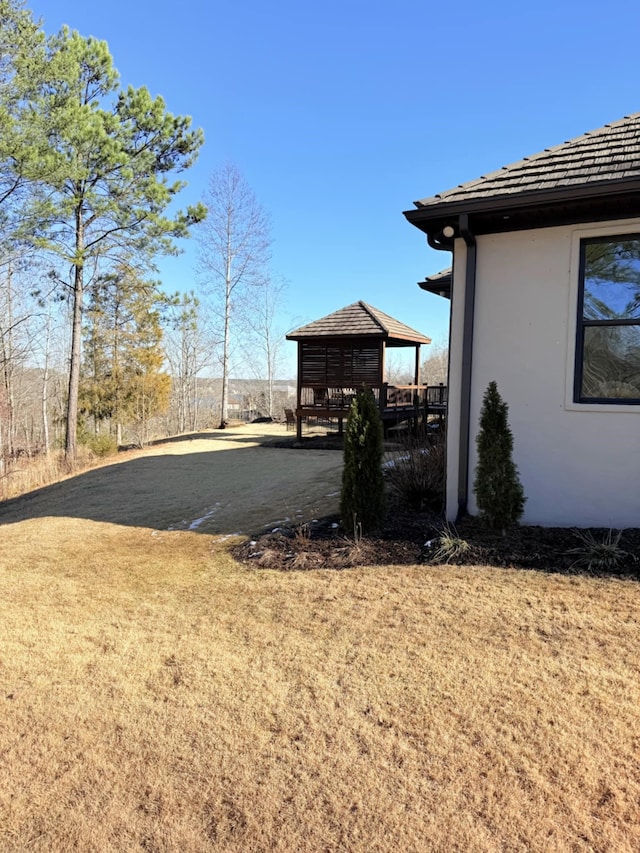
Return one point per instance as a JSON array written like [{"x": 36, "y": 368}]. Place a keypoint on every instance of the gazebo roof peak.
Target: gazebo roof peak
[{"x": 359, "y": 320}]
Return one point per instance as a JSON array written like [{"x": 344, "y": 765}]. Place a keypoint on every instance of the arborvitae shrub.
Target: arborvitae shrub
[
  {"x": 362, "y": 501},
  {"x": 497, "y": 486}
]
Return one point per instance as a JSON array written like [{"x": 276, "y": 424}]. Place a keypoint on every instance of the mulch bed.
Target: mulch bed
[{"x": 409, "y": 537}]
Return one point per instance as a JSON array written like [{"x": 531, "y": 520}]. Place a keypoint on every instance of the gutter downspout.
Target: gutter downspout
[{"x": 467, "y": 363}]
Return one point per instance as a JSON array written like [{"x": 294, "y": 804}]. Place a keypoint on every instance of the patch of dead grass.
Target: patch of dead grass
[
  {"x": 155, "y": 695},
  {"x": 27, "y": 473}
]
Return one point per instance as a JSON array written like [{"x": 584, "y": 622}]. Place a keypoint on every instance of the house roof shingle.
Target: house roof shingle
[
  {"x": 359, "y": 320},
  {"x": 610, "y": 153},
  {"x": 594, "y": 176},
  {"x": 439, "y": 283}
]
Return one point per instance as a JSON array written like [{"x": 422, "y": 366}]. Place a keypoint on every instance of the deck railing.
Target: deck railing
[
  {"x": 437, "y": 397},
  {"x": 390, "y": 398}
]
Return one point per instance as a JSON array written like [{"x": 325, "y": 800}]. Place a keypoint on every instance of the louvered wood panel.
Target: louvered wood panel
[
  {"x": 313, "y": 365},
  {"x": 366, "y": 367},
  {"x": 338, "y": 365}
]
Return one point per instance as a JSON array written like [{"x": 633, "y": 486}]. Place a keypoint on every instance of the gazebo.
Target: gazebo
[{"x": 344, "y": 351}]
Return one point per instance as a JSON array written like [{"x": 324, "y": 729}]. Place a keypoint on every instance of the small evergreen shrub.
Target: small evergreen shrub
[
  {"x": 362, "y": 500},
  {"x": 499, "y": 493},
  {"x": 101, "y": 444}
]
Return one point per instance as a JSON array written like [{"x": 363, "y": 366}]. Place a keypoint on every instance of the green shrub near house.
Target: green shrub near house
[
  {"x": 499, "y": 493},
  {"x": 362, "y": 500}
]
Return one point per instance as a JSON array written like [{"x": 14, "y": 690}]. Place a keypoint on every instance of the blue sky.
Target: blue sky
[{"x": 341, "y": 114}]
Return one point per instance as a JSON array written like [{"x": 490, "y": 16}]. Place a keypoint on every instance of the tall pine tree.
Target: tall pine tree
[
  {"x": 123, "y": 380},
  {"x": 24, "y": 128},
  {"x": 111, "y": 155}
]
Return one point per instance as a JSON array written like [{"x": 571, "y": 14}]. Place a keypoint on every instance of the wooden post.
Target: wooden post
[
  {"x": 416, "y": 395},
  {"x": 299, "y": 394}
]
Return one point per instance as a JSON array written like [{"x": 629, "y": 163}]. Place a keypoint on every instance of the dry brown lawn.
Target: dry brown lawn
[{"x": 158, "y": 696}]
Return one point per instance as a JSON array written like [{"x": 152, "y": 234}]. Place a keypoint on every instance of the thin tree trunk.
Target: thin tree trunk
[
  {"x": 45, "y": 385},
  {"x": 225, "y": 374},
  {"x": 195, "y": 403},
  {"x": 184, "y": 378},
  {"x": 225, "y": 345},
  {"x": 71, "y": 443},
  {"x": 116, "y": 374},
  {"x": 8, "y": 356},
  {"x": 270, "y": 373}
]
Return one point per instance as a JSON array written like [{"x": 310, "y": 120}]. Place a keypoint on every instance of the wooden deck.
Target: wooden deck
[
  {"x": 345, "y": 351},
  {"x": 396, "y": 403}
]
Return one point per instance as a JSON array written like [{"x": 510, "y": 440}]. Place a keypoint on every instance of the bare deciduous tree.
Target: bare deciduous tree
[
  {"x": 234, "y": 243},
  {"x": 16, "y": 338},
  {"x": 264, "y": 342},
  {"x": 435, "y": 367},
  {"x": 188, "y": 348},
  {"x": 398, "y": 367},
  {"x": 29, "y": 318}
]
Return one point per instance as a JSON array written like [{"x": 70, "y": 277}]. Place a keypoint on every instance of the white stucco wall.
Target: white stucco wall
[{"x": 579, "y": 464}]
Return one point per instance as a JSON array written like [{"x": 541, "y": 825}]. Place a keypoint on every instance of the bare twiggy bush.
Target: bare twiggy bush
[
  {"x": 302, "y": 533},
  {"x": 416, "y": 471},
  {"x": 155, "y": 695}
]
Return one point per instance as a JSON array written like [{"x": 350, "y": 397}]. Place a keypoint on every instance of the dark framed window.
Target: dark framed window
[{"x": 607, "y": 366}]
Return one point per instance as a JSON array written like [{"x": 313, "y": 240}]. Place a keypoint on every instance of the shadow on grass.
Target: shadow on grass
[{"x": 179, "y": 491}]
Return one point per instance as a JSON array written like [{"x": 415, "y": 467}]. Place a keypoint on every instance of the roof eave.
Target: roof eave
[
  {"x": 378, "y": 336},
  {"x": 433, "y": 217},
  {"x": 438, "y": 289},
  {"x": 408, "y": 341},
  {"x": 320, "y": 336}
]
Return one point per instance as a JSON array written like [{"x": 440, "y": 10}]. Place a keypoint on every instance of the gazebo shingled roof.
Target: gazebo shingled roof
[{"x": 359, "y": 320}]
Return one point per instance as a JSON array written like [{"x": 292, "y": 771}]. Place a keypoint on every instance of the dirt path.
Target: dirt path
[{"x": 215, "y": 482}]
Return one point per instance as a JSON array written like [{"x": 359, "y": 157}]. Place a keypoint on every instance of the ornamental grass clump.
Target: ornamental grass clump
[
  {"x": 362, "y": 500},
  {"x": 450, "y": 547},
  {"x": 595, "y": 554},
  {"x": 499, "y": 493}
]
